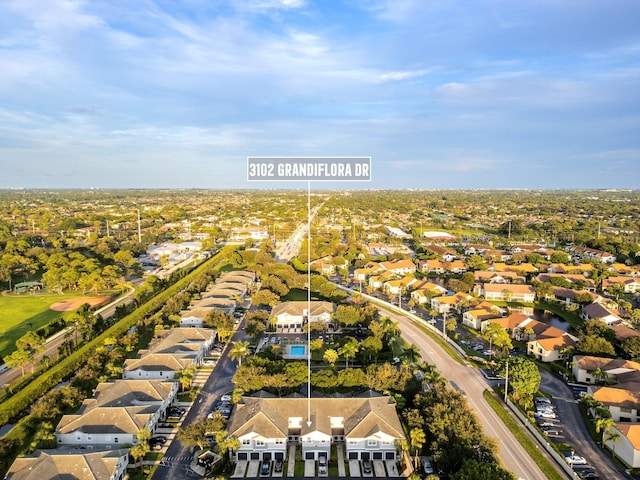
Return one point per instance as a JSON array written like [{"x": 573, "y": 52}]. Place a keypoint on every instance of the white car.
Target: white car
[
  {"x": 546, "y": 414},
  {"x": 575, "y": 460}
]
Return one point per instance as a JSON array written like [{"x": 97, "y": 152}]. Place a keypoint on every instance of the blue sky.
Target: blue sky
[{"x": 441, "y": 94}]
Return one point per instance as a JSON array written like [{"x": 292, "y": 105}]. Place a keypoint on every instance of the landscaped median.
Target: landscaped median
[{"x": 522, "y": 437}]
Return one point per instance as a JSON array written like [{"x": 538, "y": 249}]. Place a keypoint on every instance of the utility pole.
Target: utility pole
[
  {"x": 506, "y": 383},
  {"x": 444, "y": 325}
]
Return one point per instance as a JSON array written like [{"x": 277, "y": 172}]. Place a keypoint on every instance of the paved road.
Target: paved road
[
  {"x": 290, "y": 247},
  {"x": 512, "y": 454},
  {"x": 218, "y": 383},
  {"x": 575, "y": 430}
]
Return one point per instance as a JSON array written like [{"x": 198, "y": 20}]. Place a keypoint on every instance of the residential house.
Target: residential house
[
  {"x": 160, "y": 393},
  {"x": 624, "y": 270},
  {"x": 399, "y": 267},
  {"x": 599, "y": 311},
  {"x": 438, "y": 236},
  {"x": 476, "y": 249},
  {"x": 70, "y": 464},
  {"x": 370, "y": 268},
  {"x": 455, "y": 266},
  {"x": 327, "y": 266},
  {"x": 509, "y": 292},
  {"x": 551, "y": 348},
  {"x": 108, "y": 427},
  {"x": 367, "y": 424},
  {"x": 579, "y": 280},
  {"x": 196, "y": 341},
  {"x": 495, "y": 255},
  {"x": 585, "y": 252},
  {"x": 377, "y": 281},
  {"x": 582, "y": 268},
  {"x": 568, "y": 295},
  {"x": 623, "y": 332},
  {"x": 194, "y": 317},
  {"x": 591, "y": 369},
  {"x": 432, "y": 266},
  {"x": 622, "y": 401},
  {"x": 485, "y": 276},
  {"x": 397, "y": 232},
  {"x": 484, "y": 311},
  {"x": 442, "y": 252},
  {"x": 627, "y": 447},
  {"x": 425, "y": 292},
  {"x": 628, "y": 284},
  {"x": 156, "y": 366},
  {"x": 289, "y": 317},
  {"x": 225, "y": 305},
  {"x": 449, "y": 303},
  {"x": 400, "y": 286},
  {"x": 512, "y": 323}
]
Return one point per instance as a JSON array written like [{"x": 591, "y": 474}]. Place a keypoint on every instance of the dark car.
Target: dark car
[
  {"x": 277, "y": 466},
  {"x": 265, "y": 468},
  {"x": 366, "y": 466}
]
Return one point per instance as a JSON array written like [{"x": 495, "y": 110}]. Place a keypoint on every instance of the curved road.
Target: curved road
[{"x": 513, "y": 455}]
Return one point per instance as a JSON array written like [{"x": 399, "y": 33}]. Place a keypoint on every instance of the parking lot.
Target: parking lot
[{"x": 549, "y": 422}]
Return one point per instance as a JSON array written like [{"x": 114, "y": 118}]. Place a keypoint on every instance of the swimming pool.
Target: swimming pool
[{"x": 297, "y": 351}]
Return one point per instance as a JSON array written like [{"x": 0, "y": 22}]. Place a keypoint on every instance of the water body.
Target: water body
[{"x": 550, "y": 319}]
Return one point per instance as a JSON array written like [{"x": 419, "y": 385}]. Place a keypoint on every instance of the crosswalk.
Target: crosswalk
[{"x": 184, "y": 459}]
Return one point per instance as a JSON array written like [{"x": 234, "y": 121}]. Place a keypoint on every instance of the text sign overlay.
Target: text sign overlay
[{"x": 334, "y": 169}]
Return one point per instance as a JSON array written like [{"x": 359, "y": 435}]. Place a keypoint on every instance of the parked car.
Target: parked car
[
  {"x": 427, "y": 467},
  {"x": 322, "y": 465},
  {"x": 277, "y": 466},
  {"x": 265, "y": 468},
  {"x": 366, "y": 466},
  {"x": 546, "y": 414},
  {"x": 575, "y": 459}
]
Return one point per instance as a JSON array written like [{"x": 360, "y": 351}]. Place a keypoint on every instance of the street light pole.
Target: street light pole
[{"x": 506, "y": 383}]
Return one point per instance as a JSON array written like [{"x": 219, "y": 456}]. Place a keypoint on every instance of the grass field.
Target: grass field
[{"x": 19, "y": 314}]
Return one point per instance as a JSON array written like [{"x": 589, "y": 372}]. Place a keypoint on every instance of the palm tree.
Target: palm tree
[
  {"x": 138, "y": 452},
  {"x": 412, "y": 354},
  {"x": 348, "y": 350},
  {"x": 603, "y": 425},
  {"x": 612, "y": 437},
  {"x": 238, "y": 351},
  {"x": 143, "y": 436},
  {"x": 418, "y": 439}
]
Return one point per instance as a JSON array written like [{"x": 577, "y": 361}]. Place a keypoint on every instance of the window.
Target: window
[
  {"x": 353, "y": 442},
  {"x": 246, "y": 442},
  {"x": 78, "y": 438},
  {"x": 279, "y": 441},
  {"x": 115, "y": 439},
  {"x": 372, "y": 443},
  {"x": 625, "y": 410},
  {"x": 259, "y": 443},
  {"x": 89, "y": 438}
]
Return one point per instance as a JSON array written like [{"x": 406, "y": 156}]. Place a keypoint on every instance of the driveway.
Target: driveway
[
  {"x": 575, "y": 431},
  {"x": 218, "y": 383}
]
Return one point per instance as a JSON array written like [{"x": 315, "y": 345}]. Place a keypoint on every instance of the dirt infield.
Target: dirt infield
[{"x": 74, "y": 303}]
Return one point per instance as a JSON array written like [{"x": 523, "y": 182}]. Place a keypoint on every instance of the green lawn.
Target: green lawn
[
  {"x": 19, "y": 314},
  {"x": 297, "y": 295}
]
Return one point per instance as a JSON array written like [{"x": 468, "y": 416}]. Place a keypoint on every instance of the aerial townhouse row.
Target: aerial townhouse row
[{"x": 93, "y": 442}]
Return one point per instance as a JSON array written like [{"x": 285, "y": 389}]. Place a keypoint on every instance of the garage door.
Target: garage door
[
  {"x": 365, "y": 456},
  {"x": 242, "y": 456},
  {"x": 266, "y": 456},
  {"x": 353, "y": 455},
  {"x": 377, "y": 455},
  {"x": 255, "y": 456},
  {"x": 309, "y": 456},
  {"x": 279, "y": 456},
  {"x": 390, "y": 456}
]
